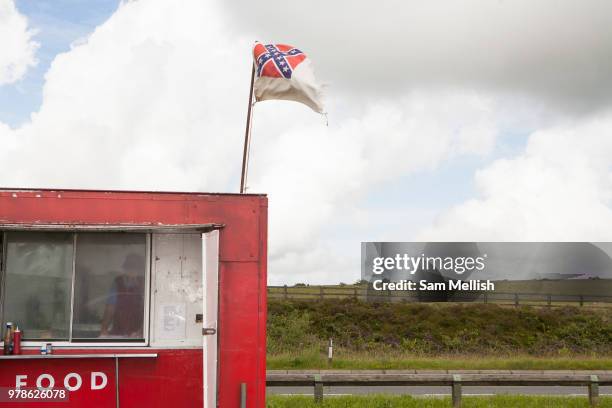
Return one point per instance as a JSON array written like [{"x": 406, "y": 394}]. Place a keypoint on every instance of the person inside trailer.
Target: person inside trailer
[{"x": 125, "y": 302}]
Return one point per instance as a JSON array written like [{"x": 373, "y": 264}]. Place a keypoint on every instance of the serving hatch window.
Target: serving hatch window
[
  {"x": 38, "y": 281},
  {"x": 79, "y": 287}
]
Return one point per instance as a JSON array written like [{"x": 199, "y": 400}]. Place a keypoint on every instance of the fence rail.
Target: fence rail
[
  {"x": 365, "y": 294},
  {"x": 455, "y": 381}
]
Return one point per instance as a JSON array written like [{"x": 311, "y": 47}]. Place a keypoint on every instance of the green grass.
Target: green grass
[
  {"x": 311, "y": 360},
  {"x": 431, "y": 330},
  {"x": 433, "y": 336},
  {"x": 405, "y": 401}
]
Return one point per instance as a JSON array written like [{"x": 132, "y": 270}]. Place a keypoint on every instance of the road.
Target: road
[{"x": 439, "y": 391}]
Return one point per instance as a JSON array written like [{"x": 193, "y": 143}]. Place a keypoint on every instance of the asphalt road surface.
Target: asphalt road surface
[{"x": 439, "y": 391}]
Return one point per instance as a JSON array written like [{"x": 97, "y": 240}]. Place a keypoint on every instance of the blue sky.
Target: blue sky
[{"x": 58, "y": 24}]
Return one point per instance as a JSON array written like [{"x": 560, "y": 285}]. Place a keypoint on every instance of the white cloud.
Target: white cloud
[
  {"x": 559, "y": 189},
  {"x": 313, "y": 173},
  {"x": 156, "y": 98},
  {"x": 149, "y": 101},
  {"x": 17, "y": 48},
  {"x": 559, "y": 51}
]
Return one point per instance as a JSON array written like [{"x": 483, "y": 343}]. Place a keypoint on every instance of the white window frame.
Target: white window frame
[
  {"x": 35, "y": 344},
  {"x": 210, "y": 303}
]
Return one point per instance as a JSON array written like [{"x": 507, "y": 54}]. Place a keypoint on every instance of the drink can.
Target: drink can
[{"x": 49, "y": 348}]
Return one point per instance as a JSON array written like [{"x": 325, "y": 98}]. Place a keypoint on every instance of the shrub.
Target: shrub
[
  {"x": 290, "y": 332},
  {"x": 430, "y": 329}
]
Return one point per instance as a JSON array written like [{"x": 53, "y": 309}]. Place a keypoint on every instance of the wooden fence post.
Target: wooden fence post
[
  {"x": 516, "y": 299},
  {"x": 355, "y": 293},
  {"x": 581, "y": 300},
  {"x": 321, "y": 294},
  {"x": 285, "y": 294},
  {"x": 594, "y": 391},
  {"x": 486, "y": 300},
  {"x": 456, "y": 391},
  {"x": 318, "y": 389},
  {"x": 549, "y": 300}
]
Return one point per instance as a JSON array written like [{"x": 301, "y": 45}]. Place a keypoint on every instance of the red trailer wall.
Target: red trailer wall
[{"x": 175, "y": 377}]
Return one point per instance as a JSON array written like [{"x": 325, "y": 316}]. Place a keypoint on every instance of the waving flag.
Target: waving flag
[{"x": 285, "y": 72}]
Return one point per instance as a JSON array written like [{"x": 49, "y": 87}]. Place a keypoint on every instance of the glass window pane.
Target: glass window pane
[
  {"x": 39, "y": 283},
  {"x": 109, "y": 286}
]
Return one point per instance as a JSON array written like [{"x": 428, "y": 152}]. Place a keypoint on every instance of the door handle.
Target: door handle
[{"x": 209, "y": 331}]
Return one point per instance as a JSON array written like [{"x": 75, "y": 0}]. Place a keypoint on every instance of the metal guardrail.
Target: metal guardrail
[
  {"x": 455, "y": 381},
  {"x": 365, "y": 294}
]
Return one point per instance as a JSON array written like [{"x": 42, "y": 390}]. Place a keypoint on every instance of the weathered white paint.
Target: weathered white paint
[{"x": 177, "y": 284}]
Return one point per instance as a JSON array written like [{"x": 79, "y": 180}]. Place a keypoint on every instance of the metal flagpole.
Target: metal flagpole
[{"x": 247, "y": 135}]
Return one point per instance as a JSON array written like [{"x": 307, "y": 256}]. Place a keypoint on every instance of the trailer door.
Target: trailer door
[{"x": 210, "y": 282}]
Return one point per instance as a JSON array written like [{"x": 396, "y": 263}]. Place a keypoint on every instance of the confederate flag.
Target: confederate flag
[{"x": 284, "y": 72}]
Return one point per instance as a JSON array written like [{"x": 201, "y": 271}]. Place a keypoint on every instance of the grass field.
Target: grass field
[
  {"x": 422, "y": 402},
  {"x": 365, "y": 361},
  {"x": 428, "y": 330},
  {"x": 434, "y": 336}
]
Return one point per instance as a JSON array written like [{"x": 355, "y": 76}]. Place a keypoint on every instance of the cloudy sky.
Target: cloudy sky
[{"x": 469, "y": 120}]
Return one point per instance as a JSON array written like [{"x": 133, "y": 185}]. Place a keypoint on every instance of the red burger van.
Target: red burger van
[{"x": 147, "y": 299}]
